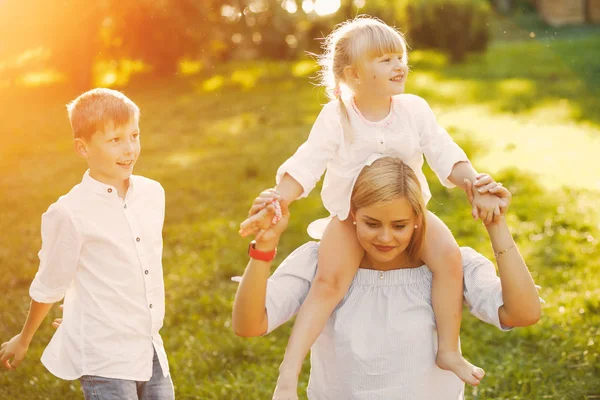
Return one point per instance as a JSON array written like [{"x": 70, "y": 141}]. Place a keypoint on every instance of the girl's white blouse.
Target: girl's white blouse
[{"x": 409, "y": 131}]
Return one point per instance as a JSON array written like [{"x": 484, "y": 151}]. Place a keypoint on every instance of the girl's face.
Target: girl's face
[
  {"x": 384, "y": 230},
  {"x": 382, "y": 76}
]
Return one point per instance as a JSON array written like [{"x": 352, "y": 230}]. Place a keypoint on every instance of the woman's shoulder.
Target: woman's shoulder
[{"x": 302, "y": 262}]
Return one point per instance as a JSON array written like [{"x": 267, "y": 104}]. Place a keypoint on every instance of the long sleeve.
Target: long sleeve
[
  {"x": 440, "y": 150},
  {"x": 483, "y": 289},
  {"x": 289, "y": 285},
  {"x": 310, "y": 160},
  {"x": 58, "y": 256}
]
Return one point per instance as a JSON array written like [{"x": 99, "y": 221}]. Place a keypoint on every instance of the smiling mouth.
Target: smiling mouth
[
  {"x": 125, "y": 163},
  {"x": 398, "y": 78},
  {"x": 384, "y": 249}
]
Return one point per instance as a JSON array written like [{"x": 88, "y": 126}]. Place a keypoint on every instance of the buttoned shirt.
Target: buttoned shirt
[
  {"x": 409, "y": 131},
  {"x": 380, "y": 342},
  {"x": 103, "y": 254}
]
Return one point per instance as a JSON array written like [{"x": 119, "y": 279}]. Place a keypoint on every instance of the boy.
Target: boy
[{"x": 101, "y": 251}]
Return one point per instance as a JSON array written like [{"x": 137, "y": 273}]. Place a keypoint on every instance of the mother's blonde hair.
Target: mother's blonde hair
[{"x": 389, "y": 179}]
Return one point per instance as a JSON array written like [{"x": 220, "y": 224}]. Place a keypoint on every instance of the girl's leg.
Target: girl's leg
[
  {"x": 442, "y": 255},
  {"x": 340, "y": 255}
]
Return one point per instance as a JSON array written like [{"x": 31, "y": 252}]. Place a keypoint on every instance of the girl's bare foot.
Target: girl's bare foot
[{"x": 454, "y": 361}]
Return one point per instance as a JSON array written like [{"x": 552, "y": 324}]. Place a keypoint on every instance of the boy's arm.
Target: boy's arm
[
  {"x": 59, "y": 257},
  {"x": 16, "y": 348}
]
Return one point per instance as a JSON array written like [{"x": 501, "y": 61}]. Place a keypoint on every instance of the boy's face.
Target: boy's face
[{"x": 112, "y": 153}]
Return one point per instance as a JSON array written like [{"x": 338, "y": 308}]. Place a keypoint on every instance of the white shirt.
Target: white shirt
[
  {"x": 380, "y": 342},
  {"x": 103, "y": 254},
  {"x": 409, "y": 131}
]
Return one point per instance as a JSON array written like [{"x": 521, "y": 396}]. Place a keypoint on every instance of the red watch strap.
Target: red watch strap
[{"x": 253, "y": 252}]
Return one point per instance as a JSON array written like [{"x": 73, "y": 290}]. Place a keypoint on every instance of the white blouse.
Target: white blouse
[
  {"x": 380, "y": 342},
  {"x": 103, "y": 254},
  {"x": 409, "y": 131}
]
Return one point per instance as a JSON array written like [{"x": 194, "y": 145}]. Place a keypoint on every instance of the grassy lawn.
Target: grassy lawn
[{"x": 527, "y": 111}]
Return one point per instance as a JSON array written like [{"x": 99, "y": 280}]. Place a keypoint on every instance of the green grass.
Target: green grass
[{"x": 527, "y": 110}]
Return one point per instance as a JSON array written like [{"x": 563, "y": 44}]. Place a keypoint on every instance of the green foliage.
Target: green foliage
[
  {"x": 214, "y": 150},
  {"x": 453, "y": 26}
]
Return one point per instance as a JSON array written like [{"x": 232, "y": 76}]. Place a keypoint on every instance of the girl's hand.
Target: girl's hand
[
  {"x": 259, "y": 218},
  {"x": 273, "y": 232},
  {"x": 15, "y": 349},
  {"x": 495, "y": 188}
]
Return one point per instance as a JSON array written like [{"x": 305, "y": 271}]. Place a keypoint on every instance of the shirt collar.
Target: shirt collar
[{"x": 102, "y": 188}]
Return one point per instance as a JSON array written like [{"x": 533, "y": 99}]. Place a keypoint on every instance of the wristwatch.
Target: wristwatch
[{"x": 253, "y": 252}]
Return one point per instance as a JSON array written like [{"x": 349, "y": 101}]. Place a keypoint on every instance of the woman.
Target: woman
[{"x": 380, "y": 341}]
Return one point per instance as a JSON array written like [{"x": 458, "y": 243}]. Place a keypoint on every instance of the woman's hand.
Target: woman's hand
[
  {"x": 272, "y": 232},
  {"x": 259, "y": 216},
  {"x": 495, "y": 188}
]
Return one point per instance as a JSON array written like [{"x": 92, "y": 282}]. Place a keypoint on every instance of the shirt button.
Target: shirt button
[
  {"x": 125, "y": 206},
  {"x": 150, "y": 305},
  {"x": 109, "y": 190},
  {"x": 137, "y": 239},
  {"x": 146, "y": 272},
  {"x": 381, "y": 275},
  {"x": 381, "y": 141}
]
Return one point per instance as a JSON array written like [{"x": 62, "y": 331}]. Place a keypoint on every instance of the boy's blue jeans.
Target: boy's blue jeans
[{"x": 157, "y": 388}]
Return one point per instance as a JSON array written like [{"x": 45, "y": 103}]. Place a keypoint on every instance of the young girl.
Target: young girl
[{"x": 368, "y": 60}]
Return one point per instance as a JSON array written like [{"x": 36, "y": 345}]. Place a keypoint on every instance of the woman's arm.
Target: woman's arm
[
  {"x": 521, "y": 303},
  {"x": 249, "y": 313},
  {"x": 249, "y": 316}
]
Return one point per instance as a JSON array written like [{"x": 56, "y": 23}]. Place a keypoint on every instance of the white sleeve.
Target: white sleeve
[
  {"x": 482, "y": 291},
  {"x": 310, "y": 160},
  {"x": 440, "y": 150},
  {"x": 59, "y": 256},
  {"x": 288, "y": 286}
]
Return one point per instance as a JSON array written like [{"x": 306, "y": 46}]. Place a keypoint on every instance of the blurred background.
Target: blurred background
[{"x": 227, "y": 92}]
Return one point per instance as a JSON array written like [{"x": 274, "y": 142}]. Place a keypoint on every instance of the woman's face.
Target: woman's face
[{"x": 384, "y": 230}]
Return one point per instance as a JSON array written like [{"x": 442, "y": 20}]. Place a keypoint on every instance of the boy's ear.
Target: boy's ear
[{"x": 81, "y": 147}]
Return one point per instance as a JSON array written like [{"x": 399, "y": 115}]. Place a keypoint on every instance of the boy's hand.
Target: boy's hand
[
  {"x": 56, "y": 323},
  {"x": 15, "y": 349},
  {"x": 259, "y": 216}
]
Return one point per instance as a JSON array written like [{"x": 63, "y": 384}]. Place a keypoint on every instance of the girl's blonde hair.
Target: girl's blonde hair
[
  {"x": 351, "y": 43},
  {"x": 389, "y": 179}
]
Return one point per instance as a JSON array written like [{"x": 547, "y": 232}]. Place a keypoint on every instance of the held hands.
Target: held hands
[
  {"x": 15, "y": 349},
  {"x": 489, "y": 199},
  {"x": 260, "y": 221}
]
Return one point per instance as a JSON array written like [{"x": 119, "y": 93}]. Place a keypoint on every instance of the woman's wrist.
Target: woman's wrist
[
  {"x": 494, "y": 226},
  {"x": 266, "y": 245}
]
